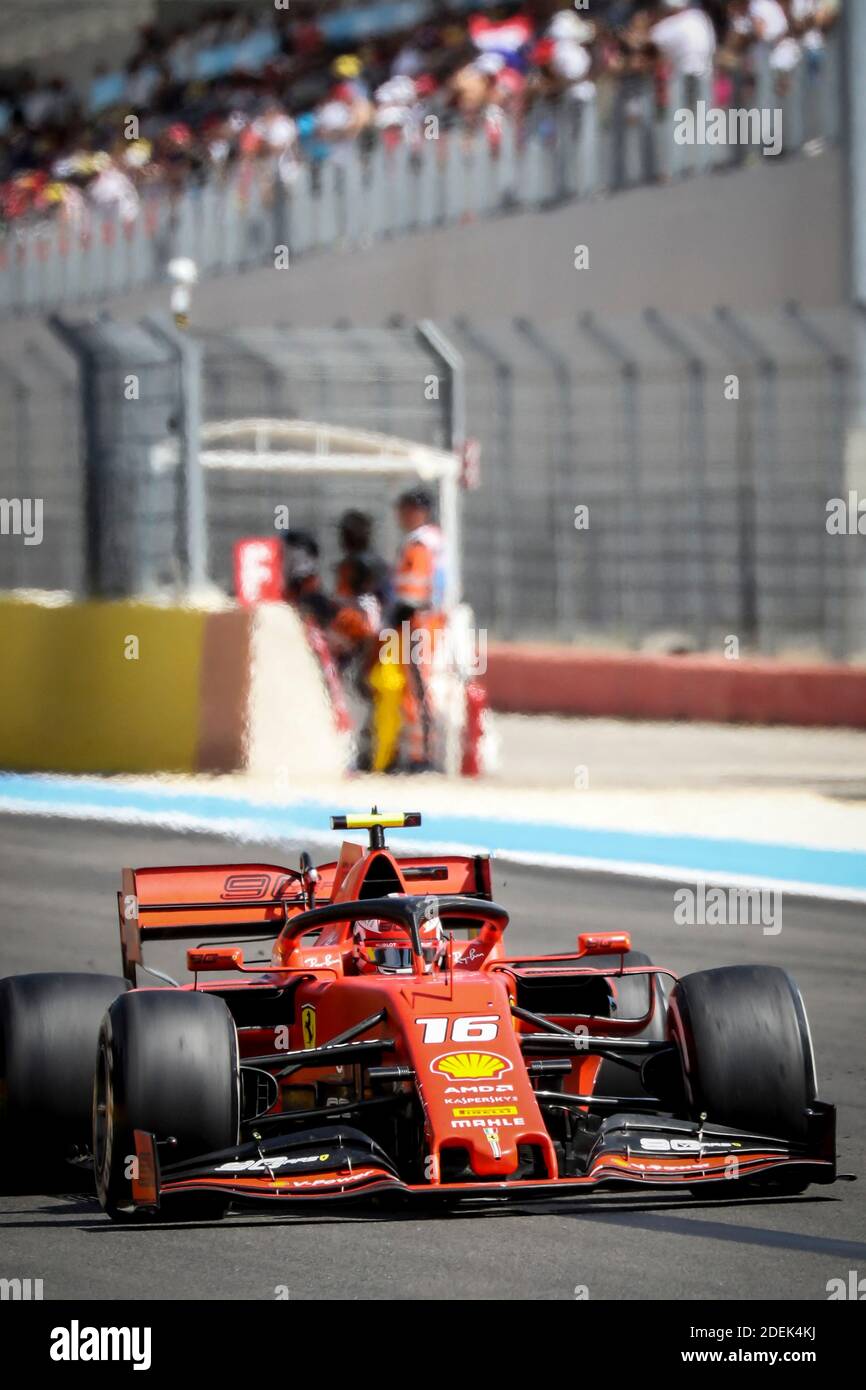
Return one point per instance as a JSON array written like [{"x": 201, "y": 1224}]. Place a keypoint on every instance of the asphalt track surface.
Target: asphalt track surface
[{"x": 57, "y": 886}]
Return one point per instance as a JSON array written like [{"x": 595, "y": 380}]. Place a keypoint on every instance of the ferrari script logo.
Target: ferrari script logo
[
  {"x": 308, "y": 1025},
  {"x": 471, "y": 1066}
]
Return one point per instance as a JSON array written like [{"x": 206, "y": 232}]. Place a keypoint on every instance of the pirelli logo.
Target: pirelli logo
[{"x": 473, "y": 1112}]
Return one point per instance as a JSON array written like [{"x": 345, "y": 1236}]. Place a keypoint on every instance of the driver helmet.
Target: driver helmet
[{"x": 385, "y": 948}]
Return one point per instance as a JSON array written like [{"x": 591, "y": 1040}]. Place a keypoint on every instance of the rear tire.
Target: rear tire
[
  {"x": 745, "y": 1049},
  {"x": 49, "y": 1025},
  {"x": 167, "y": 1063}
]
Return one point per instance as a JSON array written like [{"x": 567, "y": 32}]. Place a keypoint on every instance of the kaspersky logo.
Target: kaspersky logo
[{"x": 471, "y": 1066}]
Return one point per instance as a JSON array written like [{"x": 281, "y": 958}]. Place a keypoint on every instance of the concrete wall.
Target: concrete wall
[
  {"x": 538, "y": 679},
  {"x": 75, "y": 698},
  {"x": 209, "y": 690},
  {"x": 752, "y": 239}
]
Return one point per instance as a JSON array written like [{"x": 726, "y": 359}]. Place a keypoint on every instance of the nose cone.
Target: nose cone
[{"x": 471, "y": 1077}]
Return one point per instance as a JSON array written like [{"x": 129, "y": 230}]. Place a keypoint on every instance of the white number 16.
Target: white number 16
[{"x": 480, "y": 1028}]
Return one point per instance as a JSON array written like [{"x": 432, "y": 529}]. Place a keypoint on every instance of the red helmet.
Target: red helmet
[{"x": 385, "y": 948}]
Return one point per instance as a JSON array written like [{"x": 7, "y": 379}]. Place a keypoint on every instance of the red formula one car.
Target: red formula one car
[{"x": 393, "y": 1045}]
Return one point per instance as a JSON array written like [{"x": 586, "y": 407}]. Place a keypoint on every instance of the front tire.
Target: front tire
[
  {"x": 745, "y": 1048},
  {"x": 167, "y": 1062}
]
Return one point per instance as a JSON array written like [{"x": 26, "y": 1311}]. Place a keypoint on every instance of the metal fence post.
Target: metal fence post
[
  {"x": 449, "y": 359},
  {"x": 20, "y": 393},
  {"x": 631, "y": 585},
  {"x": 855, "y": 459},
  {"x": 564, "y": 478},
  {"x": 93, "y": 481},
  {"x": 586, "y": 180},
  {"x": 192, "y": 509},
  {"x": 448, "y": 356},
  {"x": 765, "y": 85},
  {"x": 766, "y": 475},
  {"x": 503, "y": 520},
  {"x": 832, "y": 80},
  {"x": 833, "y": 586},
  {"x": 672, "y": 158},
  {"x": 697, "y": 439}
]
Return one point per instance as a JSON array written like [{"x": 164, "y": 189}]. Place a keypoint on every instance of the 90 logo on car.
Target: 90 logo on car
[{"x": 240, "y": 886}]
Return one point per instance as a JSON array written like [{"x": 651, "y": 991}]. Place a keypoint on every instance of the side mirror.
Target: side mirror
[
  {"x": 603, "y": 943},
  {"x": 200, "y": 958}
]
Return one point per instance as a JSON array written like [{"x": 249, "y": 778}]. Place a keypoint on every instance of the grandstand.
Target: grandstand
[{"x": 224, "y": 131}]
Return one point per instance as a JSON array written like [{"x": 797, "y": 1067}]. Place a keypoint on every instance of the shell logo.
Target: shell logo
[{"x": 471, "y": 1066}]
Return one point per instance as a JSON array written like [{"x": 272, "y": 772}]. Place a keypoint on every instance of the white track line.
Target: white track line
[{"x": 255, "y": 831}]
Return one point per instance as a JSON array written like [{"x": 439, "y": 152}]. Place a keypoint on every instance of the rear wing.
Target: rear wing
[
  {"x": 230, "y": 901},
  {"x": 219, "y": 900},
  {"x": 463, "y": 875}
]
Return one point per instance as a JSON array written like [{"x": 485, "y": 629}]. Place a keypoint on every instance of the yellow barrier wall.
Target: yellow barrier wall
[{"x": 72, "y": 700}]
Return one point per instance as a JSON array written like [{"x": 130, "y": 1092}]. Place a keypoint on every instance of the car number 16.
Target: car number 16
[{"x": 468, "y": 1028}]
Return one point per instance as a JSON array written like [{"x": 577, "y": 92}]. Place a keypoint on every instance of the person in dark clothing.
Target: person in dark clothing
[
  {"x": 303, "y": 583},
  {"x": 356, "y": 537}
]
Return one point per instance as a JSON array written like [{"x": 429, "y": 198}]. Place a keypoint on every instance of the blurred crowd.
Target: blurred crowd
[{"x": 301, "y": 84}]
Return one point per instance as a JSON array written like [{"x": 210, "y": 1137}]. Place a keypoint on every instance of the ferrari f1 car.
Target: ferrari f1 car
[{"x": 391, "y": 1045}]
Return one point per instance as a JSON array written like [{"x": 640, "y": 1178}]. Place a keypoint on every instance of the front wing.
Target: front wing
[{"x": 630, "y": 1150}]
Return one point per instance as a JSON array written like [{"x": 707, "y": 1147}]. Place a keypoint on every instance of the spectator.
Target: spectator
[
  {"x": 419, "y": 594},
  {"x": 473, "y": 86},
  {"x": 570, "y": 58},
  {"x": 356, "y": 544},
  {"x": 768, "y": 21},
  {"x": 232, "y": 86},
  {"x": 685, "y": 37},
  {"x": 303, "y": 584},
  {"x": 111, "y": 190}
]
